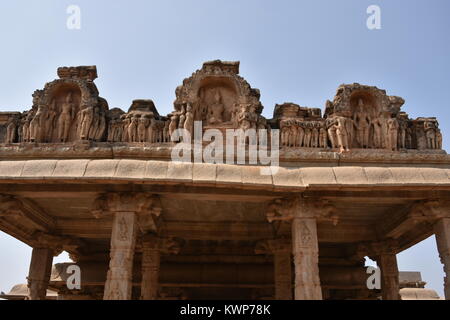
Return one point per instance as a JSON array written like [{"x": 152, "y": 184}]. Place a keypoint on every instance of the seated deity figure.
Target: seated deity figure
[
  {"x": 393, "y": 127},
  {"x": 65, "y": 118},
  {"x": 86, "y": 118},
  {"x": 362, "y": 122},
  {"x": 37, "y": 124},
  {"x": 215, "y": 110}
]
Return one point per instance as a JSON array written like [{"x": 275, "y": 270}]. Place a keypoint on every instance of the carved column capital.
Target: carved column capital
[
  {"x": 146, "y": 206},
  {"x": 377, "y": 248},
  {"x": 290, "y": 208},
  {"x": 55, "y": 243},
  {"x": 139, "y": 203},
  {"x": 430, "y": 210}
]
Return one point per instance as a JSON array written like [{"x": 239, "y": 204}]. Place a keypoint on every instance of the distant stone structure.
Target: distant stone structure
[{"x": 363, "y": 179}]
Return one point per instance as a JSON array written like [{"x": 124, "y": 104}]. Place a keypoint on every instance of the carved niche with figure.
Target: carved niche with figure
[
  {"x": 219, "y": 97},
  {"x": 67, "y": 109},
  {"x": 359, "y": 117}
]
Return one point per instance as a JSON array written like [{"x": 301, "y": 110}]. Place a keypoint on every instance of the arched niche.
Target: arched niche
[
  {"x": 216, "y": 86},
  {"x": 62, "y": 97},
  {"x": 363, "y": 101},
  {"x": 213, "y": 92}
]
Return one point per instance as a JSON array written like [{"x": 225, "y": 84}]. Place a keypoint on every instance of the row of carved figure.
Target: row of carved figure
[
  {"x": 45, "y": 124},
  {"x": 309, "y": 134},
  {"x": 138, "y": 127},
  {"x": 344, "y": 133},
  {"x": 145, "y": 127}
]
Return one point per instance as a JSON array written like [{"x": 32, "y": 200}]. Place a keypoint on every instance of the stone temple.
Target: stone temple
[{"x": 362, "y": 179}]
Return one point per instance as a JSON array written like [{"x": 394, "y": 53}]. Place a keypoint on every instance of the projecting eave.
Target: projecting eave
[{"x": 295, "y": 177}]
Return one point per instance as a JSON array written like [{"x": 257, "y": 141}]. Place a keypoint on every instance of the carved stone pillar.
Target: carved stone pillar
[
  {"x": 385, "y": 254},
  {"x": 150, "y": 268},
  {"x": 39, "y": 274},
  {"x": 305, "y": 249},
  {"x": 303, "y": 215},
  {"x": 283, "y": 278},
  {"x": 442, "y": 232},
  {"x": 152, "y": 247},
  {"x": 281, "y": 250},
  {"x": 118, "y": 284},
  {"x": 390, "y": 289},
  {"x": 130, "y": 211},
  {"x": 45, "y": 247}
]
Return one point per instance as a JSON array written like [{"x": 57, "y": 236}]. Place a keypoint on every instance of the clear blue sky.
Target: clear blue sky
[{"x": 297, "y": 51}]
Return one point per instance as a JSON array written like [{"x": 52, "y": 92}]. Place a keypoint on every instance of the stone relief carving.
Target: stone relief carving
[
  {"x": 359, "y": 117},
  {"x": 69, "y": 109}
]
